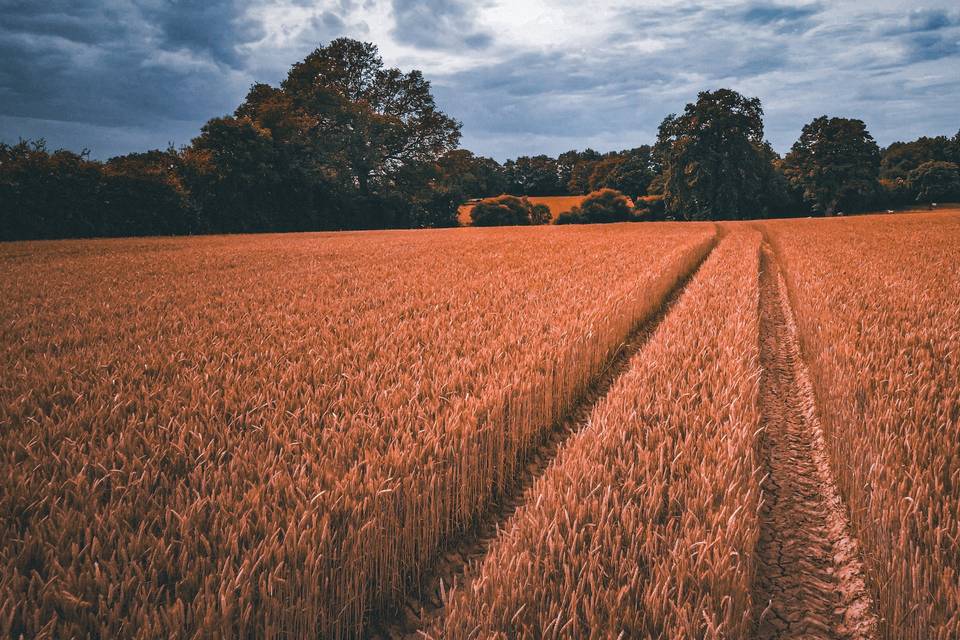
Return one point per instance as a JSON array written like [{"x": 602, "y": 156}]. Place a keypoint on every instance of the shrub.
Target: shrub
[
  {"x": 651, "y": 208},
  {"x": 508, "y": 210},
  {"x": 571, "y": 217},
  {"x": 605, "y": 205}
]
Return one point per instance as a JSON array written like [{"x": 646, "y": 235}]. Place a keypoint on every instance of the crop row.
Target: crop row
[
  {"x": 645, "y": 525},
  {"x": 877, "y": 302},
  {"x": 273, "y": 436}
]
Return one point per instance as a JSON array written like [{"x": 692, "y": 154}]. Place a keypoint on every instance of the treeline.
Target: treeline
[
  {"x": 342, "y": 143},
  {"x": 712, "y": 162},
  {"x": 345, "y": 143}
]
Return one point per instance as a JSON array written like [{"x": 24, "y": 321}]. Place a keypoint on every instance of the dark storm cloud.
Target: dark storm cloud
[
  {"x": 117, "y": 64},
  {"x": 213, "y": 27},
  {"x": 123, "y": 75},
  {"x": 438, "y": 24},
  {"x": 126, "y": 67}
]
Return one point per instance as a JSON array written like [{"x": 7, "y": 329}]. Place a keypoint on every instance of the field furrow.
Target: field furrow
[
  {"x": 644, "y": 525},
  {"x": 877, "y": 306},
  {"x": 425, "y": 604},
  {"x": 810, "y": 582}
]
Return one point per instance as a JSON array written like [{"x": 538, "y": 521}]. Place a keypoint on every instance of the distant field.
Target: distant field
[{"x": 557, "y": 204}]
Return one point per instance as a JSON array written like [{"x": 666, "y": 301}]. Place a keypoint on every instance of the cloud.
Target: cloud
[
  {"x": 438, "y": 24},
  {"x": 524, "y": 78},
  {"x": 216, "y": 28},
  {"x": 925, "y": 20}
]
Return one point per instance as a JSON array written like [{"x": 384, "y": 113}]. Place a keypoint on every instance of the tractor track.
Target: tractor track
[
  {"x": 810, "y": 581},
  {"x": 457, "y": 564}
]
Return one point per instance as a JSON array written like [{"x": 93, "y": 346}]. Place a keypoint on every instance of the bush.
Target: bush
[
  {"x": 605, "y": 205},
  {"x": 570, "y": 217},
  {"x": 651, "y": 208},
  {"x": 935, "y": 181},
  {"x": 508, "y": 210}
]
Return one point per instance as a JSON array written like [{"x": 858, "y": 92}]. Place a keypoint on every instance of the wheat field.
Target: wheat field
[{"x": 595, "y": 431}]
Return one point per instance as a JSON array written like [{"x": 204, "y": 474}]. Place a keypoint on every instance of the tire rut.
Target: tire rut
[
  {"x": 810, "y": 581},
  {"x": 458, "y": 562}
]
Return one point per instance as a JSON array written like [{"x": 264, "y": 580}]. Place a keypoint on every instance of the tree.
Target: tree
[
  {"x": 236, "y": 172},
  {"x": 713, "y": 165},
  {"x": 376, "y": 120},
  {"x": 629, "y": 171},
  {"x": 365, "y": 139},
  {"x": 143, "y": 193},
  {"x": 565, "y": 163},
  {"x": 582, "y": 167},
  {"x": 935, "y": 181},
  {"x": 900, "y": 158},
  {"x": 835, "y": 163},
  {"x": 605, "y": 205},
  {"x": 508, "y": 210},
  {"x": 532, "y": 176},
  {"x": 436, "y": 208},
  {"x": 46, "y": 194},
  {"x": 472, "y": 176}
]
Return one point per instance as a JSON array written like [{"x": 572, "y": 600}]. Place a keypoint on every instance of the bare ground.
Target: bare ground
[
  {"x": 810, "y": 582},
  {"x": 458, "y": 563}
]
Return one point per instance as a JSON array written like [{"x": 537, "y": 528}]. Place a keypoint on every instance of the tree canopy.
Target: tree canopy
[
  {"x": 835, "y": 163},
  {"x": 713, "y": 159},
  {"x": 936, "y": 181}
]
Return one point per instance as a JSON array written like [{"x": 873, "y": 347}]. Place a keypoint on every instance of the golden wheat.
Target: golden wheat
[
  {"x": 645, "y": 525},
  {"x": 877, "y": 301},
  {"x": 270, "y": 436}
]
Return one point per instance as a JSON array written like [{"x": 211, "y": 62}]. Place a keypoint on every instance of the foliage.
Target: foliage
[
  {"x": 471, "y": 176},
  {"x": 936, "y": 181},
  {"x": 342, "y": 143},
  {"x": 650, "y": 207},
  {"x": 575, "y": 169},
  {"x": 900, "y": 158},
  {"x": 46, "y": 194},
  {"x": 508, "y": 210},
  {"x": 605, "y": 205},
  {"x": 532, "y": 176},
  {"x": 628, "y": 171},
  {"x": 714, "y": 163},
  {"x": 436, "y": 208},
  {"x": 836, "y": 164}
]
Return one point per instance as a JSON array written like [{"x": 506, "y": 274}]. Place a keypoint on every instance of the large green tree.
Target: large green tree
[
  {"x": 935, "y": 181},
  {"x": 835, "y": 163},
  {"x": 630, "y": 171},
  {"x": 369, "y": 136},
  {"x": 472, "y": 176},
  {"x": 900, "y": 158},
  {"x": 532, "y": 176},
  {"x": 714, "y": 165}
]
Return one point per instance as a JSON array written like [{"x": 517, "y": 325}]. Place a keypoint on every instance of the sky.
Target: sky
[{"x": 523, "y": 76}]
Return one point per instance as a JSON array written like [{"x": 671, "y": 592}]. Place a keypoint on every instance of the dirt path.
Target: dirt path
[
  {"x": 458, "y": 562},
  {"x": 810, "y": 581}
]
